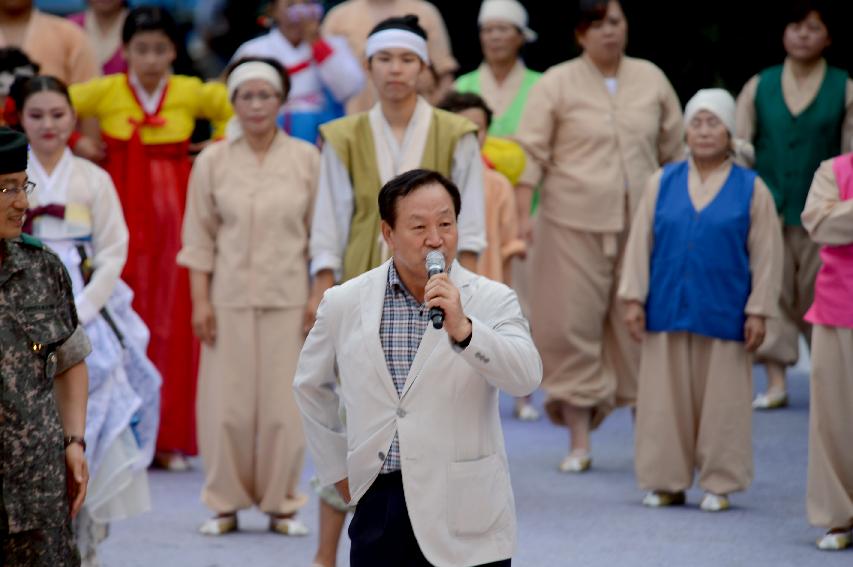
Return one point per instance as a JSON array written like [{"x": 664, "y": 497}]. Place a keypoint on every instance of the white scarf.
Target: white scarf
[{"x": 393, "y": 158}]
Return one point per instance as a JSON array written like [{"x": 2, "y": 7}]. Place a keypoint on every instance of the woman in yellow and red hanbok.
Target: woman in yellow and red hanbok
[{"x": 147, "y": 117}]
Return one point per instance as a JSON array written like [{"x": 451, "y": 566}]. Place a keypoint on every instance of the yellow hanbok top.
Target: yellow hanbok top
[{"x": 113, "y": 102}]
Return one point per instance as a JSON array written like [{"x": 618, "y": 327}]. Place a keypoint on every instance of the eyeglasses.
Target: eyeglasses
[{"x": 12, "y": 192}]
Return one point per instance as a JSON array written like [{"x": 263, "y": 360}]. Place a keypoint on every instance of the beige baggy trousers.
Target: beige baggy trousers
[
  {"x": 802, "y": 262},
  {"x": 829, "y": 494},
  {"x": 249, "y": 428},
  {"x": 577, "y": 321},
  {"x": 694, "y": 413}
]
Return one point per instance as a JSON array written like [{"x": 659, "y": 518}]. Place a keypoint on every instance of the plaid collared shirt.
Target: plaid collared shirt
[{"x": 404, "y": 322}]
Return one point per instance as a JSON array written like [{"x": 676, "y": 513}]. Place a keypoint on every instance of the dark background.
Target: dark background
[{"x": 698, "y": 44}]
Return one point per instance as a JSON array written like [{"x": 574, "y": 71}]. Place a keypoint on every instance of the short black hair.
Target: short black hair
[
  {"x": 592, "y": 11},
  {"x": 274, "y": 63},
  {"x": 408, "y": 23},
  {"x": 799, "y": 10},
  {"x": 407, "y": 183},
  {"x": 150, "y": 19},
  {"x": 454, "y": 101}
]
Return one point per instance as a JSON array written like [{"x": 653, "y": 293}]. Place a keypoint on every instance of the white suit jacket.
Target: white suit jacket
[{"x": 454, "y": 465}]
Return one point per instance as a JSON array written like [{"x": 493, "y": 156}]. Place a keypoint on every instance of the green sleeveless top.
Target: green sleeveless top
[
  {"x": 506, "y": 124},
  {"x": 352, "y": 139},
  {"x": 789, "y": 149}
]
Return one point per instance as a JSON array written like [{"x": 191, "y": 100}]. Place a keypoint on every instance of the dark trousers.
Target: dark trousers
[{"x": 381, "y": 533}]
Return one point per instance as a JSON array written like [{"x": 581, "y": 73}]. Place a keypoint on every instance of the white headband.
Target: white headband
[
  {"x": 506, "y": 11},
  {"x": 716, "y": 101},
  {"x": 253, "y": 70},
  {"x": 395, "y": 37}
]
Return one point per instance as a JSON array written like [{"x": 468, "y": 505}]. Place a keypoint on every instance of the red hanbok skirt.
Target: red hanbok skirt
[{"x": 152, "y": 184}]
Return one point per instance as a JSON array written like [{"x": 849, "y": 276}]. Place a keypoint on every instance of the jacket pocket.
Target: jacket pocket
[
  {"x": 45, "y": 330},
  {"x": 477, "y": 495}
]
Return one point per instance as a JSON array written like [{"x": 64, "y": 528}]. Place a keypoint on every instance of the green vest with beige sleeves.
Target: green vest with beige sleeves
[
  {"x": 506, "y": 124},
  {"x": 789, "y": 149},
  {"x": 352, "y": 140}
]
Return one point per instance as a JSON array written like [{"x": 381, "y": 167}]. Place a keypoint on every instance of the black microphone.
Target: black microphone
[{"x": 435, "y": 265}]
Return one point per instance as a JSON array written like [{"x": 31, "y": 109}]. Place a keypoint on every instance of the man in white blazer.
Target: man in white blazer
[{"x": 421, "y": 453}]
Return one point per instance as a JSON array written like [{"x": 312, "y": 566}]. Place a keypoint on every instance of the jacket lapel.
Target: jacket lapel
[
  {"x": 372, "y": 298},
  {"x": 432, "y": 338}
]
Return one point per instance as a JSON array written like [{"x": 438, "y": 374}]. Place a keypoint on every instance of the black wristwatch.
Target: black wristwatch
[{"x": 69, "y": 439}]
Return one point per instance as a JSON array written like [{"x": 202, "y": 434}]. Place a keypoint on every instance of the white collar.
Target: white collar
[{"x": 150, "y": 102}]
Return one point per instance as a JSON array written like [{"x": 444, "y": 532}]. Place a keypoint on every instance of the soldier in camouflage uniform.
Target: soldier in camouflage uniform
[{"x": 43, "y": 386}]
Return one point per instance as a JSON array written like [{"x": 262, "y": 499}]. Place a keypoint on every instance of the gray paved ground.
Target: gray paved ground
[{"x": 593, "y": 519}]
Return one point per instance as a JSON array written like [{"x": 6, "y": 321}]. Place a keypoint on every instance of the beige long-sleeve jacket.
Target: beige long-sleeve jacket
[
  {"x": 591, "y": 149},
  {"x": 827, "y": 218},
  {"x": 764, "y": 241},
  {"x": 247, "y": 222}
]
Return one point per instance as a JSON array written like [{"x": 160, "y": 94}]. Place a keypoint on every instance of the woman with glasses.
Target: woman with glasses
[
  {"x": 75, "y": 211},
  {"x": 245, "y": 241}
]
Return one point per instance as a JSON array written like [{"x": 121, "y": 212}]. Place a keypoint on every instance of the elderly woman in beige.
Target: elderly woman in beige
[
  {"x": 594, "y": 128},
  {"x": 245, "y": 239},
  {"x": 702, "y": 272}
]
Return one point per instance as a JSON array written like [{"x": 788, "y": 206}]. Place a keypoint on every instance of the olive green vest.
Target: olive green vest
[
  {"x": 352, "y": 139},
  {"x": 789, "y": 149},
  {"x": 506, "y": 124}
]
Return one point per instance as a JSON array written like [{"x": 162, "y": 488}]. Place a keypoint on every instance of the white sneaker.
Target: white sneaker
[
  {"x": 576, "y": 463},
  {"x": 714, "y": 503},
  {"x": 770, "y": 400},
  {"x": 834, "y": 541},
  {"x": 526, "y": 412},
  {"x": 219, "y": 525},
  {"x": 660, "y": 499},
  {"x": 288, "y": 526}
]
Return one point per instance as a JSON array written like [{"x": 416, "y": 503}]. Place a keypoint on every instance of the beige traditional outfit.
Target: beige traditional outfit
[
  {"x": 828, "y": 217},
  {"x": 693, "y": 404},
  {"x": 247, "y": 225},
  {"x": 592, "y": 142},
  {"x": 60, "y": 48},
  {"x": 354, "y": 19},
  {"x": 801, "y": 96},
  {"x": 502, "y": 241}
]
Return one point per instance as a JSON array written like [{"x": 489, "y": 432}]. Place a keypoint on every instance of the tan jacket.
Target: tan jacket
[
  {"x": 828, "y": 219},
  {"x": 247, "y": 223},
  {"x": 590, "y": 148}
]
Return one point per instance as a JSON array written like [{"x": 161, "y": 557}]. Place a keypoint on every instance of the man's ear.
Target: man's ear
[{"x": 386, "y": 230}]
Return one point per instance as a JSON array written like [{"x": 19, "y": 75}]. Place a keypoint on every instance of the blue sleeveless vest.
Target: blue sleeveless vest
[{"x": 700, "y": 278}]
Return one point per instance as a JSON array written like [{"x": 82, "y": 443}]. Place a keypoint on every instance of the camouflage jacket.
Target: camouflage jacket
[{"x": 39, "y": 339}]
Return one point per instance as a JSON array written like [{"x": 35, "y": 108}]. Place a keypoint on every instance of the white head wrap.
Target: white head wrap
[
  {"x": 507, "y": 11},
  {"x": 716, "y": 101},
  {"x": 397, "y": 38},
  {"x": 253, "y": 70}
]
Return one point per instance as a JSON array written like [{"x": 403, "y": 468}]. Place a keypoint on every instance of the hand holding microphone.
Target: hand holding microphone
[
  {"x": 442, "y": 299},
  {"x": 435, "y": 266}
]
